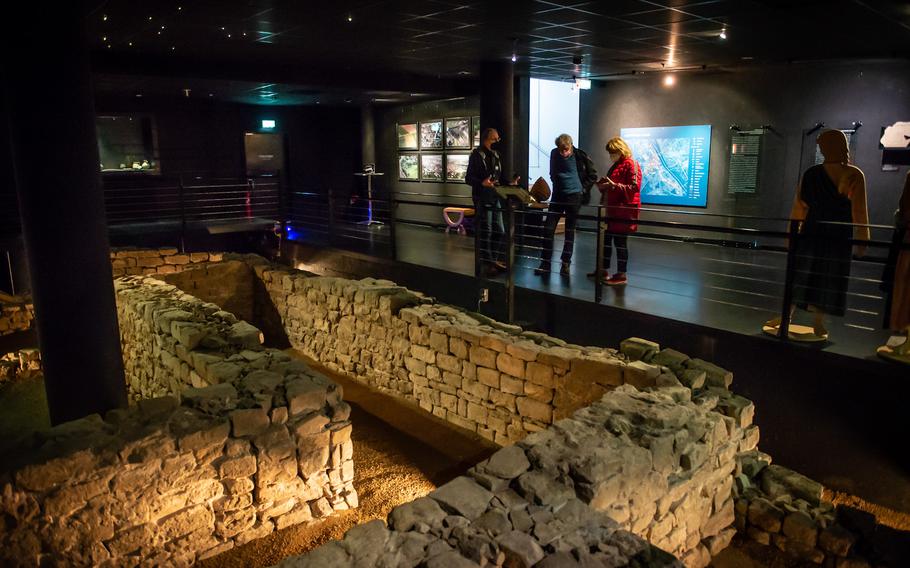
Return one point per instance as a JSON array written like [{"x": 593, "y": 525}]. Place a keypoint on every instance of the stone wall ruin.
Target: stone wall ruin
[{"x": 243, "y": 442}]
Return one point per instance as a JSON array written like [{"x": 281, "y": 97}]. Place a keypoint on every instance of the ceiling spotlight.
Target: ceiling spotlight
[
  {"x": 130, "y": 44},
  {"x": 211, "y": 94},
  {"x": 350, "y": 18},
  {"x": 669, "y": 81},
  {"x": 723, "y": 33},
  {"x": 104, "y": 18},
  {"x": 138, "y": 95},
  {"x": 514, "y": 58}
]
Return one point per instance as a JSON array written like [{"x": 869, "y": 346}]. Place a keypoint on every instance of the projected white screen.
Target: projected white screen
[{"x": 553, "y": 111}]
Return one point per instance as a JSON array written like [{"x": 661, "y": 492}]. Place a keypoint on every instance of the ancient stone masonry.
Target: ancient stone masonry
[
  {"x": 632, "y": 468},
  {"x": 137, "y": 262},
  {"x": 175, "y": 479},
  {"x": 172, "y": 340},
  {"x": 21, "y": 364},
  {"x": 464, "y": 524},
  {"x": 778, "y": 507},
  {"x": 15, "y": 315}
]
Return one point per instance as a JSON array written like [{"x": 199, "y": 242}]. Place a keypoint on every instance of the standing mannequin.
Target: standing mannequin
[
  {"x": 900, "y": 296},
  {"x": 830, "y": 197}
]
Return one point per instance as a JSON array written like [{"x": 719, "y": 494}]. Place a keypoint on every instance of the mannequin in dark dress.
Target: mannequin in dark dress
[{"x": 829, "y": 194}]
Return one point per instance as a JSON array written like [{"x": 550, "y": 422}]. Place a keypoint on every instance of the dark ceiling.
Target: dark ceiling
[{"x": 432, "y": 46}]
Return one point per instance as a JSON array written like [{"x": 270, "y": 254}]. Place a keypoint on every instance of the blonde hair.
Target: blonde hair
[
  {"x": 617, "y": 145},
  {"x": 563, "y": 141}
]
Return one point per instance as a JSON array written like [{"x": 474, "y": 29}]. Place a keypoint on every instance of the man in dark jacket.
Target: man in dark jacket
[
  {"x": 483, "y": 175},
  {"x": 572, "y": 174}
]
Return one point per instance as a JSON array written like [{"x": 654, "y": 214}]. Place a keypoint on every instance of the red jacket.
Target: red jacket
[{"x": 623, "y": 200}]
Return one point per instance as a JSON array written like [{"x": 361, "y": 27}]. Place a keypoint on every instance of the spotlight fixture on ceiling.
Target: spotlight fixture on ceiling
[
  {"x": 723, "y": 33},
  {"x": 514, "y": 58},
  {"x": 669, "y": 80},
  {"x": 350, "y": 17},
  {"x": 514, "y": 50}
]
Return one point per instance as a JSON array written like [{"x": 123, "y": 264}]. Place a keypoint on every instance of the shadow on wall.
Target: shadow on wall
[{"x": 233, "y": 286}]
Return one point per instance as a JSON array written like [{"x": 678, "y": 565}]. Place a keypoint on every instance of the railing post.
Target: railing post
[
  {"x": 510, "y": 260},
  {"x": 393, "y": 245},
  {"x": 478, "y": 224},
  {"x": 784, "y": 330},
  {"x": 599, "y": 260},
  {"x": 182, "y": 199}
]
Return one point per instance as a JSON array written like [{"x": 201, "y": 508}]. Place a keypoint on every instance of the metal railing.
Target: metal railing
[{"x": 741, "y": 267}]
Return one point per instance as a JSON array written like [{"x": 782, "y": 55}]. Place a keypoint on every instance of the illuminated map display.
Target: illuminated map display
[{"x": 674, "y": 163}]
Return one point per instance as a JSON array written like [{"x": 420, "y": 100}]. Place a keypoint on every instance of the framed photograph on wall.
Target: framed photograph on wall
[
  {"x": 431, "y": 167},
  {"x": 409, "y": 167},
  {"x": 458, "y": 133},
  {"x": 431, "y": 134},
  {"x": 407, "y": 136},
  {"x": 475, "y": 129},
  {"x": 456, "y": 166}
]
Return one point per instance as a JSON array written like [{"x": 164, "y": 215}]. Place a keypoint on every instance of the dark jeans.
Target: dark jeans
[
  {"x": 488, "y": 222},
  {"x": 622, "y": 251},
  {"x": 567, "y": 205}
]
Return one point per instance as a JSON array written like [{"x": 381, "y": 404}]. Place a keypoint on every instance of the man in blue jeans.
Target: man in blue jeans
[
  {"x": 483, "y": 175},
  {"x": 572, "y": 174}
]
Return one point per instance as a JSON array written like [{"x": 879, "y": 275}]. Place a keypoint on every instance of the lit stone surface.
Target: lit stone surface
[{"x": 189, "y": 474}]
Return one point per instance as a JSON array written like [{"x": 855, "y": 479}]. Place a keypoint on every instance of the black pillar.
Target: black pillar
[
  {"x": 496, "y": 107},
  {"x": 55, "y": 157},
  {"x": 367, "y": 134}
]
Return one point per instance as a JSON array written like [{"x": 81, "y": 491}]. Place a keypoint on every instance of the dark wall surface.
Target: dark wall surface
[
  {"x": 387, "y": 158},
  {"x": 201, "y": 137},
  {"x": 790, "y": 98}
]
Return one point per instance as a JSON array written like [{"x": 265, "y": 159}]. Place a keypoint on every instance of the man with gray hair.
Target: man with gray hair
[{"x": 572, "y": 173}]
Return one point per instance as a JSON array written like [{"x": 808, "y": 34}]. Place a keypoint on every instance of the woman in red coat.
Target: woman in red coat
[{"x": 620, "y": 192}]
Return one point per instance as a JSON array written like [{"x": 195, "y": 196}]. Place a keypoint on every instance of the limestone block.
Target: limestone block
[
  {"x": 245, "y": 335},
  {"x": 463, "y": 496},
  {"x": 510, "y": 365},
  {"x": 524, "y": 350},
  {"x": 640, "y": 374},
  {"x": 800, "y": 529},
  {"x": 766, "y": 516},
  {"x": 714, "y": 376},
  {"x": 520, "y": 549},
  {"x": 196, "y": 517},
  {"x": 671, "y": 358},
  {"x": 305, "y": 396},
  {"x": 239, "y": 467},
  {"x": 540, "y": 374},
  {"x": 483, "y": 357},
  {"x": 588, "y": 370},
  {"x": 511, "y": 385},
  {"x": 777, "y": 481},
  {"x": 638, "y": 349},
  {"x": 249, "y": 421},
  {"x": 489, "y": 377}
]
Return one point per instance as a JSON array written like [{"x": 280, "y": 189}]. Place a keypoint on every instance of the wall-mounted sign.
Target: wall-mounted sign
[
  {"x": 674, "y": 163},
  {"x": 745, "y": 159}
]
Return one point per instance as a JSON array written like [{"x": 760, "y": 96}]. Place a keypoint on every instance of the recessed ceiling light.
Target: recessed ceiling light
[
  {"x": 723, "y": 33},
  {"x": 669, "y": 81},
  {"x": 350, "y": 17},
  {"x": 104, "y": 18}
]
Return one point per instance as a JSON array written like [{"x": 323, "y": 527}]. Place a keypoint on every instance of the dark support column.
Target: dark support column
[
  {"x": 55, "y": 155},
  {"x": 368, "y": 134},
  {"x": 496, "y": 107}
]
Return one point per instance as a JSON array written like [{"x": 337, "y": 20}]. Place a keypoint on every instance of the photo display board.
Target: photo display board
[
  {"x": 674, "y": 163},
  {"x": 745, "y": 160}
]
